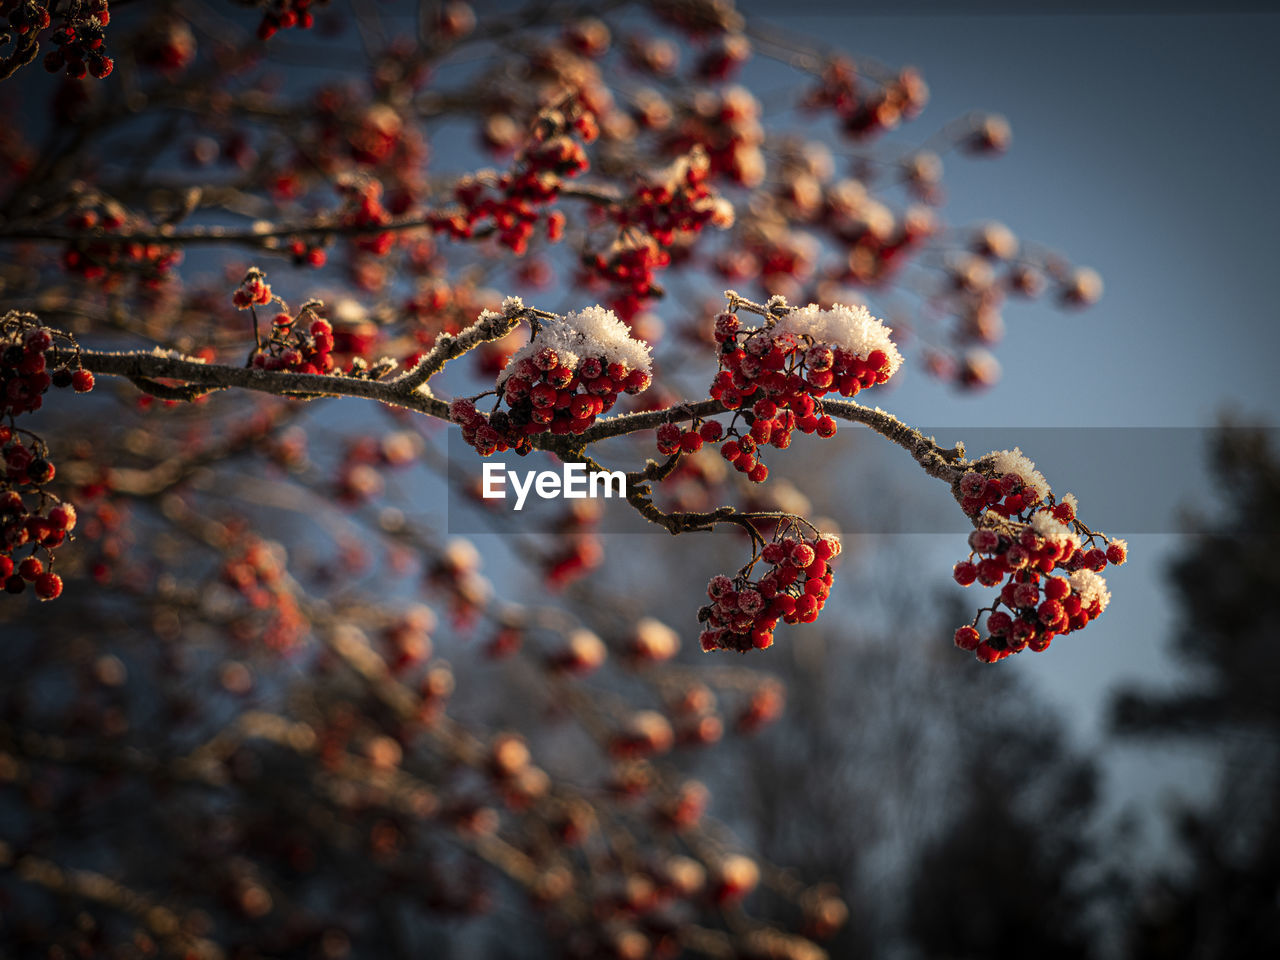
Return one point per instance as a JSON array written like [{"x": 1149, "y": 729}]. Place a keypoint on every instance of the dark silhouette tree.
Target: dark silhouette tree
[{"x": 1225, "y": 902}]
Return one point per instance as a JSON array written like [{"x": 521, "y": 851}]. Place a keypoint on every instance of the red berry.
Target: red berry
[
  {"x": 48, "y": 586},
  {"x": 82, "y": 381},
  {"x": 999, "y": 623},
  {"x": 967, "y": 638},
  {"x": 987, "y": 653},
  {"x": 30, "y": 569}
]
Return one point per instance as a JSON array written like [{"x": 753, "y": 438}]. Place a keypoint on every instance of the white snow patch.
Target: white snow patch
[
  {"x": 851, "y": 328},
  {"x": 1045, "y": 525},
  {"x": 1090, "y": 587},
  {"x": 593, "y": 332},
  {"x": 1015, "y": 461}
]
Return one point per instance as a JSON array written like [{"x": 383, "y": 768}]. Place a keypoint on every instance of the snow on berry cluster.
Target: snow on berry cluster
[
  {"x": 570, "y": 372},
  {"x": 774, "y": 378},
  {"x": 743, "y": 613},
  {"x": 32, "y": 520},
  {"x": 1045, "y": 561}
]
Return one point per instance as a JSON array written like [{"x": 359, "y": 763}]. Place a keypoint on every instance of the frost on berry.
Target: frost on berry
[
  {"x": 33, "y": 520},
  {"x": 570, "y": 372},
  {"x": 253, "y": 290},
  {"x": 744, "y": 612},
  {"x": 301, "y": 342},
  {"x": 1032, "y": 546},
  {"x": 774, "y": 376}
]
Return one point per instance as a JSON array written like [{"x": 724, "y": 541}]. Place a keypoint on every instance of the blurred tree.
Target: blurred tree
[
  {"x": 1224, "y": 901},
  {"x": 948, "y": 804}
]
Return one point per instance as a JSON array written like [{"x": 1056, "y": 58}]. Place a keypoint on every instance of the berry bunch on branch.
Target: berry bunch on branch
[
  {"x": 33, "y": 520},
  {"x": 492, "y": 226},
  {"x": 1044, "y": 559},
  {"x": 569, "y": 373},
  {"x": 744, "y": 612}
]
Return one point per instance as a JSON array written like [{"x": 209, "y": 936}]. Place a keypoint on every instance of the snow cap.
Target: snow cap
[
  {"x": 593, "y": 332},
  {"x": 852, "y": 328}
]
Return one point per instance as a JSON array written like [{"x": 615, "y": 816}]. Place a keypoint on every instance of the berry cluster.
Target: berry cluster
[
  {"x": 96, "y": 257},
  {"x": 681, "y": 201},
  {"x": 894, "y": 99},
  {"x": 81, "y": 50},
  {"x": 629, "y": 265},
  {"x": 725, "y": 123},
  {"x": 651, "y": 641},
  {"x": 1023, "y": 537},
  {"x": 407, "y": 638},
  {"x": 364, "y": 209},
  {"x": 167, "y": 45},
  {"x": 363, "y": 461},
  {"x": 284, "y": 14},
  {"x": 256, "y": 570},
  {"x": 509, "y": 203},
  {"x": 456, "y": 572},
  {"x": 301, "y": 342},
  {"x": 723, "y": 56},
  {"x": 26, "y": 19},
  {"x": 578, "y": 549},
  {"x": 41, "y": 526},
  {"x": 570, "y": 372},
  {"x": 30, "y": 516},
  {"x": 668, "y": 210},
  {"x": 764, "y": 706},
  {"x": 783, "y": 370},
  {"x": 253, "y": 290},
  {"x": 743, "y": 613},
  {"x": 509, "y": 765},
  {"x": 26, "y": 351},
  {"x": 582, "y": 652},
  {"x": 645, "y": 733}
]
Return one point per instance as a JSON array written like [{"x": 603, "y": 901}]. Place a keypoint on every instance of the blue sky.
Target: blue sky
[{"x": 1144, "y": 146}]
